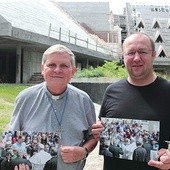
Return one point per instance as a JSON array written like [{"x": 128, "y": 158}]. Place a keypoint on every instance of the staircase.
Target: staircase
[{"x": 36, "y": 78}]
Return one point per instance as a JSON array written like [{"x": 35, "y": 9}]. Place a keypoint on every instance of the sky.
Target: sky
[{"x": 117, "y": 5}]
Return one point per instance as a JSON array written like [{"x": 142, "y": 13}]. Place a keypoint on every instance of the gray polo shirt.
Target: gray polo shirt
[{"x": 37, "y": 110}]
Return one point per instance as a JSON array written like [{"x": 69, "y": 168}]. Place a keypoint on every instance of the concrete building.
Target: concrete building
[
  {"x": 98, "y": 20},
  {"x": 120, "y": 21},
  {"x": 28, "y": 28},
  {"x": 155, "y": 21},
  {"x": 93, "y": 16}
]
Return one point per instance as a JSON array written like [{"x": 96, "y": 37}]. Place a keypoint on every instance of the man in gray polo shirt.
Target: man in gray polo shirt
[{"x": 57, "y": 106}]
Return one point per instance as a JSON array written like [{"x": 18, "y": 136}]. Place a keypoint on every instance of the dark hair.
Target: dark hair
[
  {"x": 138, "y": 143},
  {"x": 53, "y": 151}
]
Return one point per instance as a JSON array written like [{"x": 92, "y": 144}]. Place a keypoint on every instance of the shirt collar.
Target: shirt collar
[{"x": 55, "y": 97}]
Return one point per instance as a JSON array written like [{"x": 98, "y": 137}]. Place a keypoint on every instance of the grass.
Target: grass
[{"x": 8, "y": 92}]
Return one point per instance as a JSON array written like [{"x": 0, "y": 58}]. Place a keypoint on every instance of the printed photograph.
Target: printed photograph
[
  {"x": 36, "y": 149},
  {"x": 130, "y": 139}
]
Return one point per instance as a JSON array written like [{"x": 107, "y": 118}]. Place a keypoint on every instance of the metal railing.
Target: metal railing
[{"x": 74, "y": 38}]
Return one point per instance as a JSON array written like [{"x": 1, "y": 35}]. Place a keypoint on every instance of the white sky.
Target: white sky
[{"x": 117, "y": 5}]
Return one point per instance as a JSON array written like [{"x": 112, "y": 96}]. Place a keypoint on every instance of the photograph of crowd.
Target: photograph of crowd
[
  {"x": 130, "y": 139},
  {"x": 37, "y": 149}
]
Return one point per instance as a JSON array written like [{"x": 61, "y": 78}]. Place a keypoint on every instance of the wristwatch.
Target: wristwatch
[{"x": 86, "y": 154}]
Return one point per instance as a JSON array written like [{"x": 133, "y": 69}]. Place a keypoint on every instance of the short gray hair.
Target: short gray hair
[{"x": 58, "y": 48}]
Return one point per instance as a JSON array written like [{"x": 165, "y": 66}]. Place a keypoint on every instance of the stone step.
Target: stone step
[{"x": 36, "y": 78}]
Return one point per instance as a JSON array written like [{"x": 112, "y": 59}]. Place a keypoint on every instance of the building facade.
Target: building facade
[
  {"x": 28, "y": 28},
  {"x": 155, "y": 21}
]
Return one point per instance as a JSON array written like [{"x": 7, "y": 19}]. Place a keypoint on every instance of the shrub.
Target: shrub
[{"x": 109, "y": 69}]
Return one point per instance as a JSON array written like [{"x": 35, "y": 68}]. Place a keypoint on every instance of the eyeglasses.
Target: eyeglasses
[{"x": 141, "y": 53}]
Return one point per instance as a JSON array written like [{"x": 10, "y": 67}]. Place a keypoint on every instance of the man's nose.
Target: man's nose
[
  {"x": 57, "y": 68},
  {"x": 137, "y": 55}
]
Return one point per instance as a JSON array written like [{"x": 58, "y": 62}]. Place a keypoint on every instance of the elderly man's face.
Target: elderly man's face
[{"x": 58, "y": 70}]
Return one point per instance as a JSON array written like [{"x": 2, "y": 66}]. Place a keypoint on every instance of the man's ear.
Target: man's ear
[
  {"x": 42, "y": 69},
  {"x": 154, "y": 54},
  {"x": 74, "y": 69}
]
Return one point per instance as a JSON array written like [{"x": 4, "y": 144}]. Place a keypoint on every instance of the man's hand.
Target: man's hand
[
  {"x": 72, "y": 154},
  {"x": 22, "y": 167},
  {"x": 97, "y": 129},
  {"x": 164, "y": 160}
]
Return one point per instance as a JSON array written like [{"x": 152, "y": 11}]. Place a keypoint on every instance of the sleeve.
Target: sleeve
[
  {"x": 16, "y": 119},
  {"x": 91, "y": 117},
  {"x": 102, "y": 109}
]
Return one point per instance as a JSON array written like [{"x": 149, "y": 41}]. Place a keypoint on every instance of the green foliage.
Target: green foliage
[
  {"x": 109, "y": 69},
  {"x": 163, "y": 75}
]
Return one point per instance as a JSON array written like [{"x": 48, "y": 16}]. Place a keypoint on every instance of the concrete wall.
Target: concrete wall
[
  {"x": 95, "y": 90},
  {"x": 95, "y": 87},
  {"x": 31, "y": 62}
]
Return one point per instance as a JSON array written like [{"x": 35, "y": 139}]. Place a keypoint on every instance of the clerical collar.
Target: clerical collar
[
  {"x": 55, "y": 97},
  {"x": 58, "y": 96}
]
